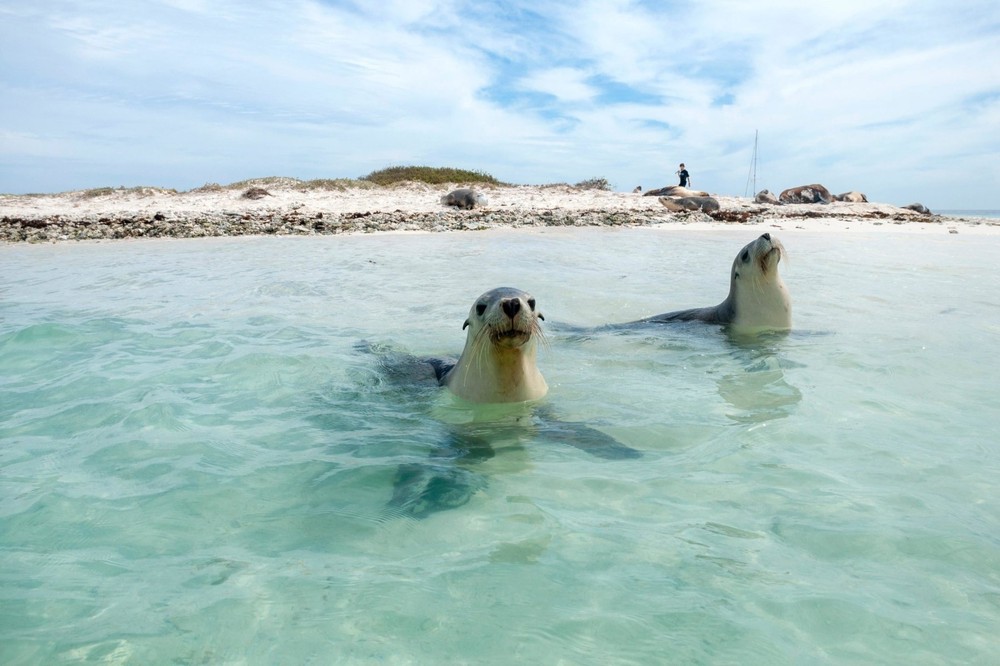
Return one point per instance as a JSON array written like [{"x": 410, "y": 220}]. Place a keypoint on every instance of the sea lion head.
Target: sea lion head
[
  {"x": 498, "y": 362},
  {"x": 757, "y": 295},
  {"x": 506, "y": 317},
  {"x": 758, "y": 259}
]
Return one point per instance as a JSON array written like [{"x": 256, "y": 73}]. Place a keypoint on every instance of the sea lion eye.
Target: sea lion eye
[
  {"x": 531, "y": 304},
  {"x": 480, "y": 308},
  {"x": 746, "y": 256}
]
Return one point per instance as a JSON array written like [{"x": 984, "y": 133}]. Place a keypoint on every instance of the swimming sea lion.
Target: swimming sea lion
[
  {"x": 757, "y": 300},
  {"x": 806, "y": 194},
  {"x": 497, "y": 365},
  {"x": 498, "y": 362},
  {"x": 464, "y": 198},
  {"x": 680, "y": 204}
]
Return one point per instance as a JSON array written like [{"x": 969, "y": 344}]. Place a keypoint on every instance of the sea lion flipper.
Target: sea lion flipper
[
  {"x": 590, "y": 440},
  {"x": 442, "y": 366},
  {"x": 583, "y": 437},
  {"x": 420, "y": 489}
]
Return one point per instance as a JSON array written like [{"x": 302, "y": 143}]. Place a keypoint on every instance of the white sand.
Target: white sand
[{"x": 417, "y": 207}]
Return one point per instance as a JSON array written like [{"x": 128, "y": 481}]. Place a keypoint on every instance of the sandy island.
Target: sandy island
[{"x": 290, "y": 207}]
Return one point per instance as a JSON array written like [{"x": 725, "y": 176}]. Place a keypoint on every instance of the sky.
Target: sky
[{"x": 896, "y": 99}]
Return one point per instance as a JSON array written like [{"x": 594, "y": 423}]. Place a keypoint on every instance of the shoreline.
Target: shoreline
[{"x": 290, "y": 210}]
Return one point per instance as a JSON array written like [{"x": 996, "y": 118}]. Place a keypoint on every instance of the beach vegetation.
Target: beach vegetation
[
  {"x": 336, "y": 184},
  {"x": 141, "y": 190},
  {"x": 276, "y": 182},
  {"x": 97, "y": 192},
  {"x": 594, "y": 184},
  {"x": 209, "y": 187},
  {"x": 429, "y": 175}
]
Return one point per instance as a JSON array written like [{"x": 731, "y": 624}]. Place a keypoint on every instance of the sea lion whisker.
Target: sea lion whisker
[{"x": 479, "y": 348}]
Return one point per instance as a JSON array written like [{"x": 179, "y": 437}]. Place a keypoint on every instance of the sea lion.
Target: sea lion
[
  {"x": 852, "y": 197},
  {"x": 498, "y": 362},
  {"x": 766, "y": 197},
  {"x": 675, "y": 191},
  {"x": 681, "y": 204},
  {"x": 637, "y": 190},
  {"x": 919, "y": 208},
  {"x": 497, "y": 365},
  {"x": 757, "y": 300},
  {"x": 806, "y": 194},
  {"x": 256, "y": 193},
  {"x": 464, "y": 198}
]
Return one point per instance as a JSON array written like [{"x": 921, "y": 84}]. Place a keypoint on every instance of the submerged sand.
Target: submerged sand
[{"x": 289, "y": 207}]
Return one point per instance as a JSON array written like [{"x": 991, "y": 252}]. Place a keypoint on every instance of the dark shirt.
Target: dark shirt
[{"x": 684, "y": 177}]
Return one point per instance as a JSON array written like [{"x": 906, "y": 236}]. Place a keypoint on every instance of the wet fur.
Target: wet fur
[
  {"x": 757, "y": 298},
  {"x": 498, "y": 363},
  {"x": 445, "y": 480}
]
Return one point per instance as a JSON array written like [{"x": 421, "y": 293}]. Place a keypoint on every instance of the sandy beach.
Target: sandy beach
[{"x": 292, "y": 207}]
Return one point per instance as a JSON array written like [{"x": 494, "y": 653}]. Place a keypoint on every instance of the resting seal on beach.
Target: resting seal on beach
[
  {"x": 681, "y": 204},
  {"x": 806, "y": 194},
  {"x": 675, "y": 191},
  {"x": 757, "y": 300},
  {"x": 464, "y": 198},
  {"x": 852, "y": 197},
  {"x": 920, "y": 208},
  {"x": 766, "y": 197}
]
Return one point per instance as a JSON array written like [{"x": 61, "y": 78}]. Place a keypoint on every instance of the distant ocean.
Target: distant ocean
[{"x": 970, "y": 213}]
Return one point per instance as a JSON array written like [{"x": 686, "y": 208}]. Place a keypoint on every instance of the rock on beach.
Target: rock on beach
[{"x": 289, "y": 209}]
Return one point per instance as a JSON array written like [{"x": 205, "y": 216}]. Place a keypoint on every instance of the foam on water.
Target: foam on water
[{"x": 196, "y": 463}]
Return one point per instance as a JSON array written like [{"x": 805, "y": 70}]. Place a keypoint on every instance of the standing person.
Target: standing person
[{"x": 684, "y": 175}]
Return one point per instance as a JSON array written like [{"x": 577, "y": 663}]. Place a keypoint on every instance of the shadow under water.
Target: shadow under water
[
  {"x": 467, "y": 434},
  {"x": 758, "y": 389},
  {"x": 749, "y": 367}
]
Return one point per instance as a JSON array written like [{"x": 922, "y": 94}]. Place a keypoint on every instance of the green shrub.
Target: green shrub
[
  {"x": 270, "y": 181},
  {"x": 98, "y": 192},
  {"x": 429, "y": 175},
  {"x": 209, "y": 187},
  {"x": 338, "y": 184},
  {"x": 594, "y": 184}
]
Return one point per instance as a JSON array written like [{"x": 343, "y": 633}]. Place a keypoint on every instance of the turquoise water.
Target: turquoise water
[
  {"x": 196, "y": 462},
  {"x": 970, "y": 213}
]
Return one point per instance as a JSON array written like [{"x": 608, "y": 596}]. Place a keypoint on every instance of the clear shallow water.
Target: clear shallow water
[
  {"x": 971, "y": 213},
  {"x": 195, "y": 462}
]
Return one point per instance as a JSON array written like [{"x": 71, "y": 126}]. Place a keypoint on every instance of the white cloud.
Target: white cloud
[
  {"x": 857, "y": 95},
  {"x": 564, "y": 83}
]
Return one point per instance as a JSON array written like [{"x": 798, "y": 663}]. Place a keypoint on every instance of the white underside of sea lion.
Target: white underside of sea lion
[
  {"x": 758, "y": 294},
  {"x": 758, "y": 299}
]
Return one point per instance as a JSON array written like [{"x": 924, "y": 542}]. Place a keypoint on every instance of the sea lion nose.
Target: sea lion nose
[
  {"x": 766, "y": 236},
  {"x": 511, "y": 306}
]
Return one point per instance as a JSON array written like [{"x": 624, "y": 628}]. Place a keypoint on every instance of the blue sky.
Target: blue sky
[{"x": 898, "y": 99}]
